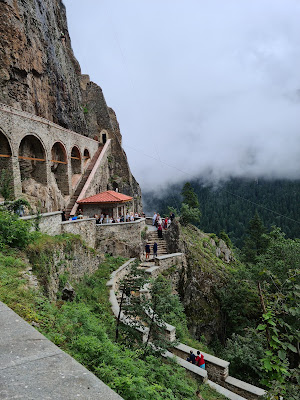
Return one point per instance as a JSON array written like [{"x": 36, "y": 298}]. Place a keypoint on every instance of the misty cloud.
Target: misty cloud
[{"x": 211, "y": 88}]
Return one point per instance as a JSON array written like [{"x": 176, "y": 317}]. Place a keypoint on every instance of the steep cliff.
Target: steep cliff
[
  {"x": 204, "y": 270},
  {"x": 38, "y": 70},
  {"x": 40, "y": 74}
]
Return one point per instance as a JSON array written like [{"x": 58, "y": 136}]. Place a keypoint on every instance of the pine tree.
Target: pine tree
[
  {"x": 256, "y": 242},
  {"x": 189, "y": 196},
  {"x": 190, "y": 212}
]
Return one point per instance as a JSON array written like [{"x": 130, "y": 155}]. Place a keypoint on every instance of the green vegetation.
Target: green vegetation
[
  {"x": 13, "y": 231},
  {"x": 232, "y": 204},
  {"x": 260, "y": 304},
  {"x": 189, "y": 212},
  {"x": 85, "y": 328}
]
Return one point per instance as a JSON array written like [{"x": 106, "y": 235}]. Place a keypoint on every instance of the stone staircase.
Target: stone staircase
[
  {"x": 82, "y": 182},
  {"x": 161, "y": 243}
]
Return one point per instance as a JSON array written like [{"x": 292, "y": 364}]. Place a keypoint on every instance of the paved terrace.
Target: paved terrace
[{"x": 33, "y": 368}]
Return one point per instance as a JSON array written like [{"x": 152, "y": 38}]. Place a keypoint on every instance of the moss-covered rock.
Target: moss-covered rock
[{"x": 205, "y": 269}]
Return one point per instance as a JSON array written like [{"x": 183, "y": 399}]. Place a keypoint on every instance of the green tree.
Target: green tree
[
  {"x": 190, "y": 212},
  {"x": 148, "y": 310},
  {"x": 189, "y": 196},
  {"x": 279, "y": 290},
  {"x": 256, "y": 242}
]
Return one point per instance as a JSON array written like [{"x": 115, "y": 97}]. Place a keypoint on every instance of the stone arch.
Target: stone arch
[
  {"x": 86, "y": 156},
  {"x": 59, "y": 167},
  {"x": 32, "y": 160},
  {"x": 75, "y": 161},
  {"x": 6, "y": 158}
]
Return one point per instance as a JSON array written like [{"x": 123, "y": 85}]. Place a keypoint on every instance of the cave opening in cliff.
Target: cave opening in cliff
[
  {"x": 104, "y": 138},
  {"x": 32, "y": 160},
  {"x": 59, "y": 167},
  {"x": 86, "y": 156}
]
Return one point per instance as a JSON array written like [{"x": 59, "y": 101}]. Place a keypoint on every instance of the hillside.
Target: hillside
[{"x": 231, "y": 205}]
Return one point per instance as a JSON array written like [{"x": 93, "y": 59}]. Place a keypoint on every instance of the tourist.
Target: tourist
[
  {"x": 172, "y": 216},
  {"x": 202, "y": 362},
  {"x": 154, "y": 218},
  {"x": 159, "y": 231},
  {"x": 131, "y": 217},
  {"x": 198, "y": 358},
  {"x": 191, "y": 358},
  {"x": 122, "y": 218},
  {"x": 169, "y": 222},
  {"x": 127, "y": 217},
  {"x": 63, "y": 216},
  {"x": 154, "y": 250},
  {"x": 118, "y": 219},
  {"x": 159, "y": 220},
  {"x": 101, "y": 218},
  {"x": 147, "y": 249},
  {"x": 165, "y": 223},
  {"x": 136, "y": 215}
]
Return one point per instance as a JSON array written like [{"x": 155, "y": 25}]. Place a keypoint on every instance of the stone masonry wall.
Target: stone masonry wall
[
  {"x": 86, "y": 228},
  {"x": 120, "y": 238},
  {"x": 50, "y": 223}
]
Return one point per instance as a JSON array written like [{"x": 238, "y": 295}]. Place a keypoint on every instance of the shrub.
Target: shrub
[{"x": 14, "y": 232}]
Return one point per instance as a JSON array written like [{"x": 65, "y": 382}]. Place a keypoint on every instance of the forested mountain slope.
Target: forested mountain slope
[{"x": 231, "y": 205}]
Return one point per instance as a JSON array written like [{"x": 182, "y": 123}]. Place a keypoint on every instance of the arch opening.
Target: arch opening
[
  {"x": 86, "y": 156},
  {"x": 6, "y": 163},
  {"x": 32, "y": 160},
  {"x": 59, "y": 167},
  {"x": 75, "y": 161}
]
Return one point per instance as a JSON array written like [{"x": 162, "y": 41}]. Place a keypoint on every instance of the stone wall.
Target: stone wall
[
  {"x": 34, "y": 137},
  {"x": 120, "y": 238},
  {"x": 86, "y": 228},
  {"x": 49, "y": 223},
  {"x": 216, "y": 368}
]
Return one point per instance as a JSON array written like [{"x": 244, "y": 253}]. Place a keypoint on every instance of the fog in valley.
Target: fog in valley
[{"x": 206, "y": 89}]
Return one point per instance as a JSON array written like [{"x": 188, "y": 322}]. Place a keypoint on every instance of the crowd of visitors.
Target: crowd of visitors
[
  {"x": 162, "y": 223},
  {"x": 106, "y": 219}
]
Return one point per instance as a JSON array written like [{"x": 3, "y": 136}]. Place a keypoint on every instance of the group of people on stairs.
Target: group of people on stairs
[{"x": 147, "y": 250}]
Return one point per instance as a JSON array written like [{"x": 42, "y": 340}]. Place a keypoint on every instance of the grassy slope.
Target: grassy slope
[{"x": 85, "y": 329}]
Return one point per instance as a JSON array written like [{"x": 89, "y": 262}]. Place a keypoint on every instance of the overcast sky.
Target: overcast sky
[{"x": 207, "y": 88}]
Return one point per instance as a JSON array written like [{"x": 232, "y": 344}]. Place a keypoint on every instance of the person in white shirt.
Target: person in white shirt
[{"x": 154, "y": 218}]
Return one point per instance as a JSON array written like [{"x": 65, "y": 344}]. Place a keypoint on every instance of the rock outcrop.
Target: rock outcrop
[
  {"x": 204, "y": 270},
  {"x": 40, "y": 74}
]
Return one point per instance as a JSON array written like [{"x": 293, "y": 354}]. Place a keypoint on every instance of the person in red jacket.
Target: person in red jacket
[{"x": 200, "y": 360}]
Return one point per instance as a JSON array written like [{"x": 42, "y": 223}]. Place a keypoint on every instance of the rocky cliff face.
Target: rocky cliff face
[
  {"x": 38, "y": 70},
  {"x": 204, "y": 270},
  {"x": 40, "y": 74}
]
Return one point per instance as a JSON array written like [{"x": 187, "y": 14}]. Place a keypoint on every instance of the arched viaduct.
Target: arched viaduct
[{"x": 33, "y": 147}]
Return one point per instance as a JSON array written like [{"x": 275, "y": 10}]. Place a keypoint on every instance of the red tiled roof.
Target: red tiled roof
[{"x": 109, "y": 196}]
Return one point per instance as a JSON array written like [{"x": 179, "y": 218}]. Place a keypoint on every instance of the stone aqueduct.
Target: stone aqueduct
[{"x": 33, "y": 147}]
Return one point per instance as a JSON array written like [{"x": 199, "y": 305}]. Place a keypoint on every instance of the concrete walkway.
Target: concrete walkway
[{"x": 32, "y": 367}]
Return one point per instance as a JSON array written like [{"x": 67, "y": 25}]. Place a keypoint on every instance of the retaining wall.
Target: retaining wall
[
  {"x": 49, "y": 223},
  {"x": 86, "y": 228}
]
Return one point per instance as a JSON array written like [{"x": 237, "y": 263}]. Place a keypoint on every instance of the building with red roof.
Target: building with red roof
[{"x": 108, "y": 203}]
